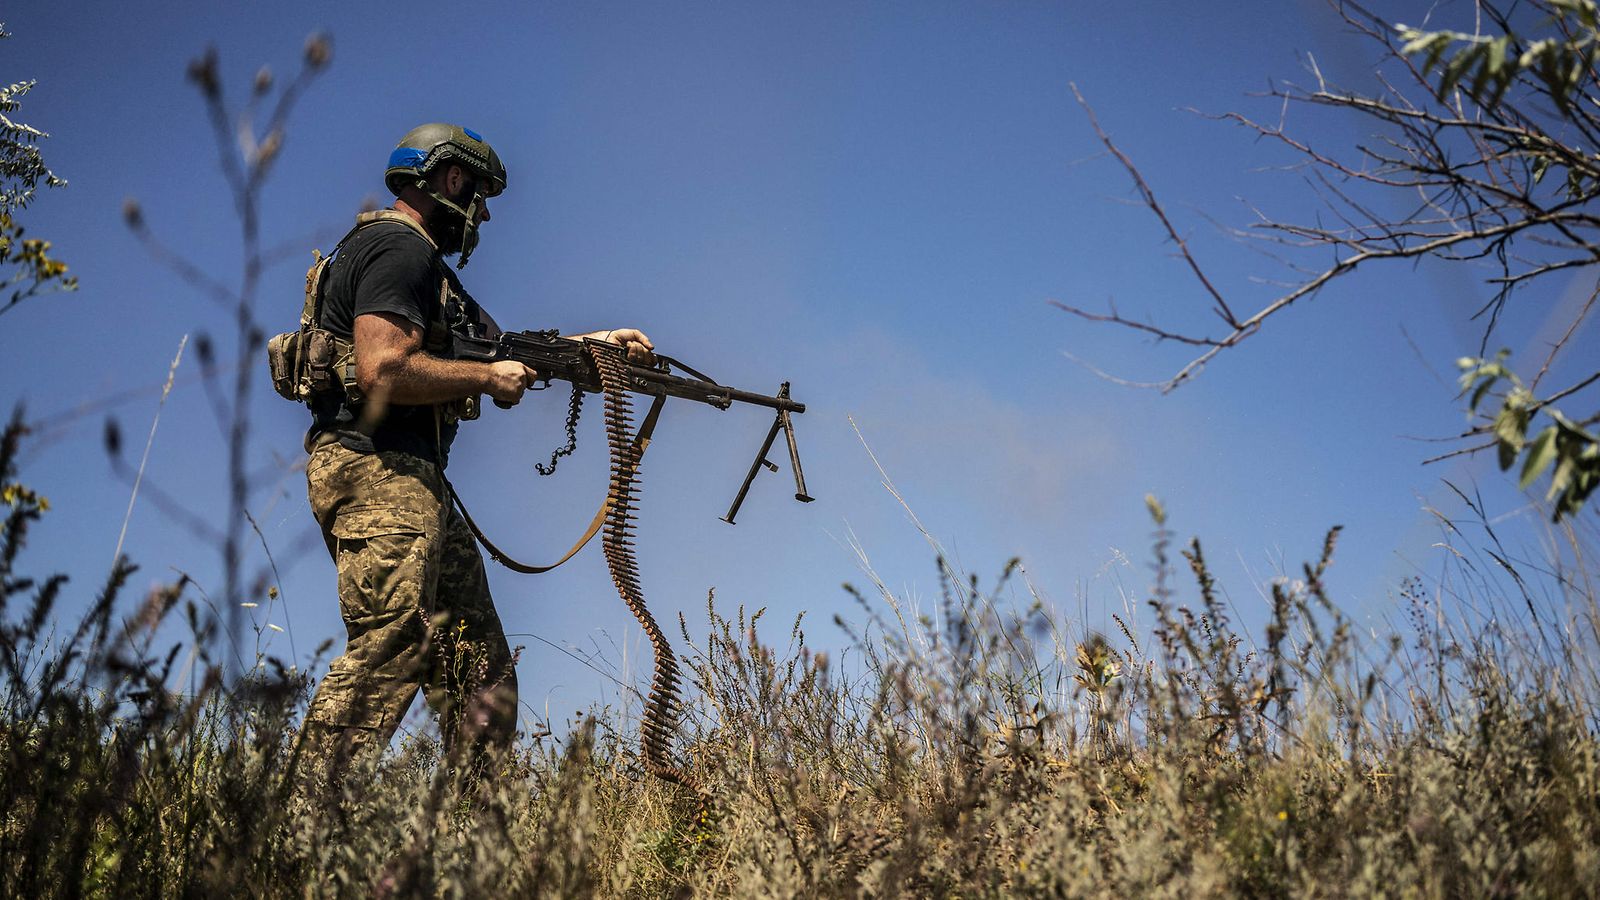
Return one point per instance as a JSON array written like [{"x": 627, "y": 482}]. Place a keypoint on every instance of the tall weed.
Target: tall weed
[{"x": 978, "y": 750}]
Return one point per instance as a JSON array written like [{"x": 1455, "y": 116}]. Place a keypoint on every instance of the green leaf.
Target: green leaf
[
  {"x": 1562, "y": 477},
  {"x": 1432, "y": 44},
  {"x": 1415, "y": 39},
  {"x": 1455, "y": 69},
  {"x": 1541, "y": 453},
  {"x": 1511, "y": 426},
  {"x": 1477, "y": 395},
  {"x": 1541, "y": 164},
  {"x": 1571, "y": 427},
  {"x": 1532, "y": 56},
  {"x": 1491, "y": 57}
]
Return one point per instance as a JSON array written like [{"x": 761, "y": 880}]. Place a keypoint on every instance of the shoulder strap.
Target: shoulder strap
[
  {"x": 391, "y": 215},
  {"x": 641, "y": 441},
  {"x": 311, "y": 311}
]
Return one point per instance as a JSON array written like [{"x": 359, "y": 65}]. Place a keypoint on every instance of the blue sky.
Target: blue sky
[{"x": 875, "y": 202}]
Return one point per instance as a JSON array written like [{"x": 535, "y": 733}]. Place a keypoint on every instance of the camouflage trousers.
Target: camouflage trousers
[{"x": 416, "y": 608}]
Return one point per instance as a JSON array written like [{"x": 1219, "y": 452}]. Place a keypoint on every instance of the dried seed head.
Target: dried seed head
[
  {"x": 263, "y": 82},
  {"x": 269, "y": 147},
  {"x": 203, "y": 72},
  {"x": 319, "y": 50}
]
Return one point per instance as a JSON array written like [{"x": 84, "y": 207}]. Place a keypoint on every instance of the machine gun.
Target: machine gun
[
  {"x": 598, "y": 366},
  {"x": 557, "y": 358}
]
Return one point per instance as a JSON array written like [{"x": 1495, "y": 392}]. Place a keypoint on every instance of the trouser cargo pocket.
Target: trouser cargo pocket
[{"x": 386, "y": 563}]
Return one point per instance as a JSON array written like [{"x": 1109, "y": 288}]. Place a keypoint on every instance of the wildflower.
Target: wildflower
[
  {"x": 14, "y": 495},
  {"x": 1097, "y": 664}
]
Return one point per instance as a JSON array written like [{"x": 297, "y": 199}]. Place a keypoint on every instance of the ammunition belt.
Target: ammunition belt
[
  {"x": 659, "y": 721},
  {"x": 614, "y": 521}
]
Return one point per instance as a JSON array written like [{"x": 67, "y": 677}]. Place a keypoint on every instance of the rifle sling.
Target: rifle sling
[{"x": 641, "y": 442}]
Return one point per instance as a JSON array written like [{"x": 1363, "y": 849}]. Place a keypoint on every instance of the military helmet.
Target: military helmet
[{"x": 426, "y": 146}]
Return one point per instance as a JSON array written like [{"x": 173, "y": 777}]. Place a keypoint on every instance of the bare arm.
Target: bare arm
[{"x": 392, "y": 367}]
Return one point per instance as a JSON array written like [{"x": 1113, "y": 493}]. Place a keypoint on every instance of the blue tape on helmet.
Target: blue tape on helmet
[
  {"x": 472, "y": 134},
  {"x": 406, "y": 156}
]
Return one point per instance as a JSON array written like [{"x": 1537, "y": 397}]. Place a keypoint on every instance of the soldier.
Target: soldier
[{"x": 412, "y": 587}]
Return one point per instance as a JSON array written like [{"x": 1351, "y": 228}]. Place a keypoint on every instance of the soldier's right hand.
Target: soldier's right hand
[{"x": 507, "y": 381}]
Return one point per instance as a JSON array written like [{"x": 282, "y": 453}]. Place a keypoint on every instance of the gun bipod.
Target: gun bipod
[{"x": 780, "y": 422}]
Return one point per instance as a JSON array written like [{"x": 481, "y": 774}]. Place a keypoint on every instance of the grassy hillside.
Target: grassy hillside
[{"x": 985, "y": 751}]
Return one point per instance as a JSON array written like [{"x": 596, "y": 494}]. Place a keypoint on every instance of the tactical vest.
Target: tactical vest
[{"x": 314, "y": 361}]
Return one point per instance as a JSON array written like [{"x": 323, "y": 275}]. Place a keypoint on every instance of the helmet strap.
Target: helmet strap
[{"x": 469, "y": 218}]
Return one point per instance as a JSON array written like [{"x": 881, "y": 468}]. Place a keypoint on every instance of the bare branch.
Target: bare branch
[
  {"x": 212, "y": 289},
  {"x": 1115, "y": 318},
  {"x": 1567, "y": 392},
  {"x": 1106, "y": 376},
  {"x": 1464, "y": 451},
  {"x": 1150, "y": 200},
  {"x": 1572, "y": 328}
]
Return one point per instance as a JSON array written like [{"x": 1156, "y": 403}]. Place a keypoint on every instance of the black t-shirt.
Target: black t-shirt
[{"x": 388, "y": 267}]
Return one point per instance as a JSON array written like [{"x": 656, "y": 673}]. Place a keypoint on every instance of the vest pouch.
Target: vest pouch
[
  {"x": 307, "y": 363},
  {"x": 320, "y": 354},
  {"x": 330, "y": 365},
  {"x": 283, "y": 360},
  {"x": 314, "y": 362}
]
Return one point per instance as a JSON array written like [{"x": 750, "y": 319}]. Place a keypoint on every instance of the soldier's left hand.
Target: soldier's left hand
[{"x": 637, "y": 343}]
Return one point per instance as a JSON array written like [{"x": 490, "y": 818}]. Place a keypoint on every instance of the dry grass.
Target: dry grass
[{"x": 983, "y": 751}]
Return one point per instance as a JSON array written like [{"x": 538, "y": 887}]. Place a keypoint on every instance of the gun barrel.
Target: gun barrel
[{"x": 647, "y": 381}]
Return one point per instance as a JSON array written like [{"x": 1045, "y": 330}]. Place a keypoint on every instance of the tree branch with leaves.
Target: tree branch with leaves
[
  {"x": 1490, "y": 142},
  {"x": 26, "y": 267}
]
